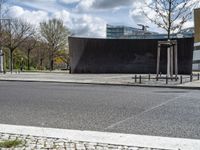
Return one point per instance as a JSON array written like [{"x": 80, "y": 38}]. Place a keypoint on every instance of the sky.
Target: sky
[{"x": 83, "y": 17}]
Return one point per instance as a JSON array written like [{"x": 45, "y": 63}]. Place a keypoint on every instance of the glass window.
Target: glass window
[{"x": 196, "y": 55}]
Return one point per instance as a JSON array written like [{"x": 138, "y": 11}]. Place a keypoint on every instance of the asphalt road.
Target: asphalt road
[{"x": 137, "y": 110}]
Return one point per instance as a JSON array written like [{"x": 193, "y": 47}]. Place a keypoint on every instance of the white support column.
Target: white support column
[
  {"x": 168, "y": 61},
  {"x": 171, "y": 61},
  {"x": 176, "y": 59}
]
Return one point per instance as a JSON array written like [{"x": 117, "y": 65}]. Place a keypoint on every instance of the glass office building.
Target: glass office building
[
  {"x": 196, "y": 54},
  {"x": 124, "y": 32}
]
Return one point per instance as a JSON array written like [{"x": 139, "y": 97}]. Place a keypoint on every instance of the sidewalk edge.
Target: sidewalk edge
[
  {"x": 101, "y": 83},
  {"x": 105, "y": 137}
]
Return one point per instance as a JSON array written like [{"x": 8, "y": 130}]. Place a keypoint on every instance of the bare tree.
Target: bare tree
[
  {"x": 64, "y": 56},
  {"x": 41, "y": 54},
  {"x": 28, "y": 45},
  {"x": 55, "y": 35},
  {"x": 15, "y": 32},
  {"x": 169, "y": 15}
]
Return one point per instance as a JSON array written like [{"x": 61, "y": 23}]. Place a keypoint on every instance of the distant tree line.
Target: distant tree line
[{"x": 34, "y": 48}]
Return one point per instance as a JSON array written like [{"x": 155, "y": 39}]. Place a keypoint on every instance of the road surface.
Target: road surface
[{"x": 124, "y": 109}]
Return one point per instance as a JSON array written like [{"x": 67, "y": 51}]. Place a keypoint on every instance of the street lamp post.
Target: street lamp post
[
  {"x": 1, "y": 44},
  {"x": 1, "y": 61},
  {"x": 1, "y": 51}
]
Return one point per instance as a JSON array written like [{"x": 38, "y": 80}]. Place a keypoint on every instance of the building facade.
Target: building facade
[
  {"x": 124, "y": 32},
  {"x": 196, "y": 55}
]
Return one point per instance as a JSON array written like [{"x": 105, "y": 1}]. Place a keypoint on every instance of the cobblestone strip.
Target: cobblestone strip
[{"x": 45, "y": 143}]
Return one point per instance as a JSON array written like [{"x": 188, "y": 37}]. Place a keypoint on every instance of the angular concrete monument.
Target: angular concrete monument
[{"x": 95, "y": 55}]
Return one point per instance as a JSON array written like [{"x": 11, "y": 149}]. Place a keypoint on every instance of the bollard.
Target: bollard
[
  {"x": 149, "y": 77},
  {"x": 181, "y": 80},
  {"x": 160, "y": 74},
  {"x": 198, "y": 76},
  {"x": 140, "y": 79},
  {"x": 166, "y": 79},
  {"x": 156, "y": 77},
  {"x": 135, "y": 78},
  {"x": 191, "y": 78},
  {"x": 176, "y": 78}
]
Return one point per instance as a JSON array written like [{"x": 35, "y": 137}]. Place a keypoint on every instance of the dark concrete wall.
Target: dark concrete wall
[{"x": 125, "y": 55}]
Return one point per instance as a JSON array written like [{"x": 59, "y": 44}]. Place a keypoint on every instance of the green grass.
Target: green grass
[{"x": 10, "y": 143}]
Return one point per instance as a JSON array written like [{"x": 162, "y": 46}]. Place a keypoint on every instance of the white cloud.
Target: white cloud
[
  {"x": 96, "y": 5},
  {"x": 90, "y": 15},
  {"x": 84, "y": 5},
  {"x": 33, "y": 17},
  {"x": 15, "y": 11},
  {"x": 45, "y": 5},
  {"x": 83, "y": 25},
  {"x": 80, "y": 25},
  {"x": 89, "y": 26},
  {"x": 105, "y": 4},
  {"x": 68, "y": 1},
  {"x": 136, "y": 13}
]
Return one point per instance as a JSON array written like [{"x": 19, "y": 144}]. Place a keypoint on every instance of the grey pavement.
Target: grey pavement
[
  {"x": 110, "y": 79},
  {"x": 124, "y": 109}
]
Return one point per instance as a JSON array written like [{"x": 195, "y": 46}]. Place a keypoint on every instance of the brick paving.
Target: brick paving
[{"x": 45, "y": 143}]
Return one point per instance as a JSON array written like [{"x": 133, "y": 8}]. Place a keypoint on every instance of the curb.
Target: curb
[
  {"x": 109, "y": 84},
  {"x": 105, "y": 137}
]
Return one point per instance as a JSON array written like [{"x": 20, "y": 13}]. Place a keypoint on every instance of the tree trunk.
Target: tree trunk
[
  {"x": 169, "y": 21},
  {"x": 51, "y": 62},
  {"x": 168, "y": 34},
  {"x": 11, "y": 60},
  {"x": 41, "y": 63},
  {"x": 28, "y": 59}
]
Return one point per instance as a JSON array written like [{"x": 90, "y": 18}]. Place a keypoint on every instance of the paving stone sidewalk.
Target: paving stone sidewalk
[
  {"x": 45, "y": 143},
  {"x": 110, "y": 79}
]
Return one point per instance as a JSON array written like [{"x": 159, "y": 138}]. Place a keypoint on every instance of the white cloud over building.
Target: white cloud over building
[
  {"x": 80, "y": 25},
  {"x": 84, "y": 17}
]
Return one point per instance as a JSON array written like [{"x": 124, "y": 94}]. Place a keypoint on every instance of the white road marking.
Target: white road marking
[{"x": 146, "y": 111}]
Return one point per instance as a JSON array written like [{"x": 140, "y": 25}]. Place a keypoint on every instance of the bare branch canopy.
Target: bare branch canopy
[{"x": 169, "y": 15}]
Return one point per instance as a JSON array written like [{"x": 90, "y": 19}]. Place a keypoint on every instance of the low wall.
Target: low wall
[{"x": 89, "y": 55}]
